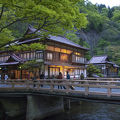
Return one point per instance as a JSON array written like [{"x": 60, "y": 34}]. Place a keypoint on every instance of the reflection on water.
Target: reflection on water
[{"x": 90, "y": 111}]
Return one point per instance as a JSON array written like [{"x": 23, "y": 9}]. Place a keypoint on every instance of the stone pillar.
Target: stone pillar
[
  {"x": 67, "y": 104},
  {"x": 39, "y": 107}
]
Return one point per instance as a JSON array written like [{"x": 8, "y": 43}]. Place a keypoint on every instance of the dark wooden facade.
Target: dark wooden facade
[{"x": 61, "y": 55}]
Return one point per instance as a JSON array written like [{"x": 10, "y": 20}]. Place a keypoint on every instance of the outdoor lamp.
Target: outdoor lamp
[{"x": 20, "y": 67}]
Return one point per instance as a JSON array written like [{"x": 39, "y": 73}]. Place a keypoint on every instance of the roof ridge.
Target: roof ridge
[
  {"x": 63, "y": 40},
  {"x": 100, "y": 56}
]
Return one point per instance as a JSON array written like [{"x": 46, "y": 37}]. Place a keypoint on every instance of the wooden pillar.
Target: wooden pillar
[
  {"x": 63, "y": 72},
  {"x": 109, "y": 92},
  {"x": 20, "y": 74}
]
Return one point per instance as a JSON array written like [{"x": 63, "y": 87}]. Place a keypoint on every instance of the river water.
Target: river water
[{"x": 89, "y": 111}]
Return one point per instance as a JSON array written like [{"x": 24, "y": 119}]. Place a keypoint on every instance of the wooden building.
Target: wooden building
[
  {"x": 60, "y": 55},
  {"x": 108, "y": 68}
]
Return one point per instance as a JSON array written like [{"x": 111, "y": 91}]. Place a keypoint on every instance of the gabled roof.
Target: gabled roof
[
  {"x": 101, "y": 60},
  {"x": 30, "y": 30},
  {"x": 98, "y": 59},
  {"x": 65, "y": 41},
  {"x": 12, "y": 60},
  {"x": 59, "y": 39}
]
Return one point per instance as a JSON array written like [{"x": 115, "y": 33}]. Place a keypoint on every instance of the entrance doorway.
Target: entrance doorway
[{"x": 53, "y": 72}]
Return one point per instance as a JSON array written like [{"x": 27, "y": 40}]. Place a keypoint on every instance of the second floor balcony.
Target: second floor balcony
[
  {"x": 47, "y": 56},
  {"x": 64, "y": 58}
]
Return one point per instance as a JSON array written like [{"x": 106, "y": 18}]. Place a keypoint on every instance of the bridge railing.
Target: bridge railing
[
  {"x": 103, "y": 79},
  {"x": 85, "y": 87}
]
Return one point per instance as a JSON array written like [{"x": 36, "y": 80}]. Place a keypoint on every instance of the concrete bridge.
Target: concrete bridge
[{"x": 47, "y": 96}]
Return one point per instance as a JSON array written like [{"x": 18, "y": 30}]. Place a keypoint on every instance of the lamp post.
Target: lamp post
[{"x": 20, "y": 72}]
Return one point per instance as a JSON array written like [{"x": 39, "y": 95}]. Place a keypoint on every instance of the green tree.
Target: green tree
[
  {"x": 101, "y": 48},
  {"x": 114, "y": 53},
  {"x": 72, "y": 36},
  {"x": 116, "y": 16},
  {"x": 110, "y": 12},
  {"x": 47, "y": 15},
  {"x": 91, "y": 69}
]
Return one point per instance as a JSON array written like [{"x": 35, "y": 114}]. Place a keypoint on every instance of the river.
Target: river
[{"x": 89, "y": 111}]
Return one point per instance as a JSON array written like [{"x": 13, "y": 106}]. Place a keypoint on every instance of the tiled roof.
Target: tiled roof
[
  {"x": 98, "y": 59},
  {"x": 53, "y": 38},
  {"x": 10, "y": 63},
  {"x": 15, "y": 60},
  {"x": 65, "y": 41},
  {"x": 101, "y": 60},
  {"x": 27, "y": 41}
]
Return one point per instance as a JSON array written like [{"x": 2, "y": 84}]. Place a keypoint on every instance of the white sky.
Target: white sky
[{"x": 110, "y": 3}]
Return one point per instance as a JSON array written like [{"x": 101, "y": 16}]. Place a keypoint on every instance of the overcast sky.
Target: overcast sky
[{"x": 110, "y": 3}]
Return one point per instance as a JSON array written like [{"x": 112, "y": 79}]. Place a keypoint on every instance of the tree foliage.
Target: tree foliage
[
  {"x": 30, "y": 65},
  {"x": 114, "y": 53},
  {"x": 50, "y": 15},
  {"x": 27, "y": 47},
  {"x": 91, "y": 69},
  {"x": 103, "y": 31}
]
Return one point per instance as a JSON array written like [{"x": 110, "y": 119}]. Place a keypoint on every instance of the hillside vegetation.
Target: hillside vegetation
[{"x": 102, "y": 34}]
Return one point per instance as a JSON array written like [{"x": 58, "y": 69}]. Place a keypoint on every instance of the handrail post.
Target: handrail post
[
  {"x": 27, "y": 84},
  {"x": 86, "y": 90},
  {"x": 51, "y": 85},
  {"x": 12, "y": 84},
  {"x": 67, "y": 86},
  {"x": 109, "y": 92},
  {"x": 38, "y": 84}
]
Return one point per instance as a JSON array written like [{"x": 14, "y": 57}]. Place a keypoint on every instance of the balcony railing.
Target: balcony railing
[{"x": 76, "y": 59}]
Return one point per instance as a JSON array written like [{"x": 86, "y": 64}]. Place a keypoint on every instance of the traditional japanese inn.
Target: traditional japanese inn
[
  {"x": 60, "y": 55},
  {"x": 108, "y": 68}
]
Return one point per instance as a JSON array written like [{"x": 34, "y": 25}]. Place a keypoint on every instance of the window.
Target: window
[
  {"x": 1, "y": 59},
  {"x": 76, "y": 53},
  {"x": 6, "y": 58},
  {"x": 57, "y": 49},
  {"x": 56, "y": 56},
  {"x": 24, "y": 56},
  {"x": 28, "y": 56},
  {"x": 77, "y": 71},
  {"x": 64, "y": 57},
  {"x": 78, "y": 59},
  {"x": 49, "y": 56},
  {"x": 39, "y": 55},
  {"x": 51, "y": 48},
  {"x": 54, "y": 71},
  {"x": 69, "y": 51},
  {"x": 32, "y": 55},
  {"x": 63, "y": 51}
]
